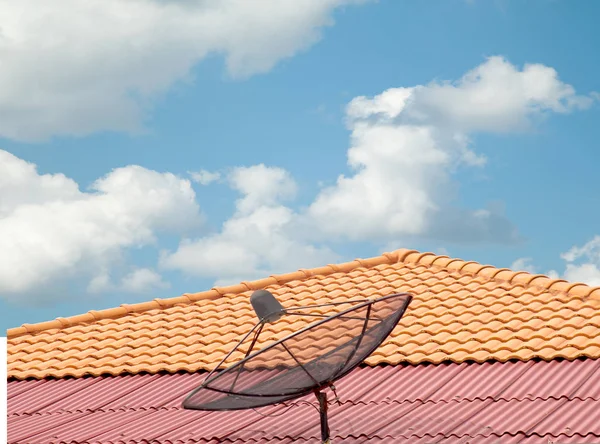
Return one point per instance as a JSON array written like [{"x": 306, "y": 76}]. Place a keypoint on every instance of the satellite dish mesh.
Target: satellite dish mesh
[{"x": 305, "y": 361}]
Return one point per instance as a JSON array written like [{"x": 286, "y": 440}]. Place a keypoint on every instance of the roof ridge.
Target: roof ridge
[
  {"x": 402, "y": 255},
  {"x": 213, "y": 293}
]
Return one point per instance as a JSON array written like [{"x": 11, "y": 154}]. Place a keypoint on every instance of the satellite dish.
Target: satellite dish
[{"x": 307, "y": 360}]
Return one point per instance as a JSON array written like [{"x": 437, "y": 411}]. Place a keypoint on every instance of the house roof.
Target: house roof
[
  {"x": 461, "y": 311},
  {"x": 531, "y": 402}
]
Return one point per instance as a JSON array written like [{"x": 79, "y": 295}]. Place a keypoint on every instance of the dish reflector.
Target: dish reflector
[{"x": 305, "y": 361}]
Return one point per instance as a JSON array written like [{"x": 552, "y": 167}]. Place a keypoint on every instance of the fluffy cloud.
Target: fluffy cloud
[
  {"x": 143, "y": 280},
  {"x": 405, "y": 145},
  {"x": 50, "y": 231},
  {"x": 73, "y": 67},
  {"x": 407, "y": 142},
  {"x": 140, "y": 280},
  {"x": 259, "y": 239},
  {"x": 583, "y": 263},
  {"x": 495, "y": 97}
]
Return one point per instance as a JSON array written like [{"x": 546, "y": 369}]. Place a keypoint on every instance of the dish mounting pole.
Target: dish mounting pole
[{"x": 322, "y": 398}]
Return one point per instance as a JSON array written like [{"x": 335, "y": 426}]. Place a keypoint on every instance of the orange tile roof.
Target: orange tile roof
[{"x": 461, "y": 311}]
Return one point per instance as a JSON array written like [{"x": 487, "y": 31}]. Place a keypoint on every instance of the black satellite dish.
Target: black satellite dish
[{"x": 305, "y": 361}]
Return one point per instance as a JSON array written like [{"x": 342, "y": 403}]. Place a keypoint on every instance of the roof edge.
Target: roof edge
[
  {"x": 213, "y": 293},
  {"x": 402, "y": 255}
]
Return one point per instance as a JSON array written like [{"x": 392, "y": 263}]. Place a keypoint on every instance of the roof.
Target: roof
[
  {"x": 461, "y": 311},
  {"x": 446, "y": 403}
]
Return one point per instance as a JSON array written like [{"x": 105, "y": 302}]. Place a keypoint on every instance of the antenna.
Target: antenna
[{"x": 309, "y": 359}]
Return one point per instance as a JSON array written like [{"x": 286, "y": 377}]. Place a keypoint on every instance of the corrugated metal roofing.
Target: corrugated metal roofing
[{"x": 528, "y": 402}]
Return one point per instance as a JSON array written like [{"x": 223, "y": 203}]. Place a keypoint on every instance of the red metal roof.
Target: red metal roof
[{"x": 526, "y": 402}]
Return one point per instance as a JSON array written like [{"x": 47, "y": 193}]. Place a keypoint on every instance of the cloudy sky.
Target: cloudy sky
[{"x": 152, "y": 148}]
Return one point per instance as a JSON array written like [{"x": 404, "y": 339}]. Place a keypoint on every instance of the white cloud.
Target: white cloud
[
  {"x": 583, "y": 263},
  {"x": 22, "y": 185},
  {"x": 50, "y": 231},
  {"x": 524, "y": 264},
  {"x": 586, "y": 273},
  {"x": 396, "y": 167},
  {"x": 261, "y": 186},
  {"x": 495, "y": 97},
  {"x": 590, "y": 251},
  {"x": 405, "y": 145},
  {"x": 100, "y": 283},
  {"x": 140, "y": 280},
  {"x": 407, "y": 142},
  {"x": 74, "y": 67},
  {"x": 204, "y": 177},
  {"x": 143, "y": 280},
  {"x": 259, "y": 239},
  {"x": 553, "y": 274}
]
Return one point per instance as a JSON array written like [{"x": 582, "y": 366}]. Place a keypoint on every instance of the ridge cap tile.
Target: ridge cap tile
[
  {"x": 214, "y": 293},
  {"x": 401, "y": 255}
]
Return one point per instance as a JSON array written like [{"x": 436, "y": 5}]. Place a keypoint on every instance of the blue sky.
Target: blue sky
[{"x": 467, "y": 128}]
